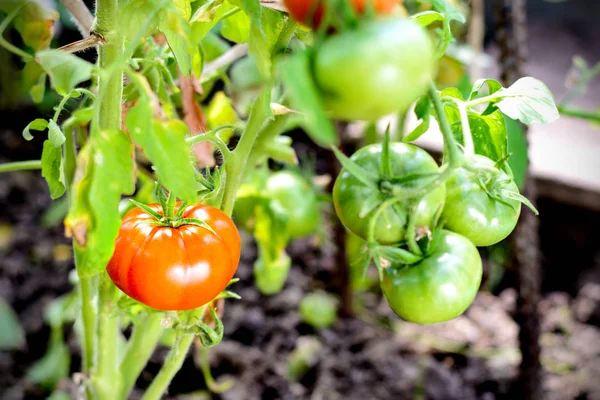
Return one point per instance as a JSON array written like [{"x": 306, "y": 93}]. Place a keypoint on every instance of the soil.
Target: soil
[{"x": 371, "y": 356}]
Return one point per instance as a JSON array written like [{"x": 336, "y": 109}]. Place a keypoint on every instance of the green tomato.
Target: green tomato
[
  {"x": 319, "y": 309},
  {"x": 439, "y": 287},
  {"x": 475, "y": 206},
  {"x": 298, "y": 199},
  {"x": 380, "y": 68},
  {"x": 350, "y": 195}
]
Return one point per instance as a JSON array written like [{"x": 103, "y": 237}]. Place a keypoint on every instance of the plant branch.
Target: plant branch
[
  {"x": 88, "y": 42},
  {"x": 582, "y": 114},
  {"x": 82, "y": 16},
  {"x": 107, "y": 377},
  {"x": 21, "y": 166},
  {"x": 141, "y": 346},
  {"x": 450, "y": 145},
  {"x": 234, "y": 53}
]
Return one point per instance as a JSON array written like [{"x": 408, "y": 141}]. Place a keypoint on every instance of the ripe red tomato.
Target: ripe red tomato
[
  {"x": 301, "y": 10},
  {"x": 175, "y": 268}
]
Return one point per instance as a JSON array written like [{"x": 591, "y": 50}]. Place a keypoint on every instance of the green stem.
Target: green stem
[
  {"x": 69, "y": 157},
  {"x": 172, "y": 364},
  {"x": 582, "y": 114},
  {"x": 107, "y": 376},
  {"x": 88, "y": 317},
  {"x": 7, "y": 45},
  {"x": 141, "y": 346},
  {"x": 466, "y": 128},
  {"x": 450, "y": 145},
  {"x": 211, "y": 136},
  {"x": 21, "y": 165},
  {"x": 61, "y": 105},
  {"x": 236, "y": 165}
]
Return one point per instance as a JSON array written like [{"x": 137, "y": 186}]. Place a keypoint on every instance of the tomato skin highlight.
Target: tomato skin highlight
[
  {"x": 380, "y": 68},
  {"x": 301, "y": 10},
  {"x": 350, "y": 195},
  {"x": 175, "y": 268},
  {"x": 438, "y": 288},
  {"x": 473, "y": 213},
  {"x": 298, "y": 199}
]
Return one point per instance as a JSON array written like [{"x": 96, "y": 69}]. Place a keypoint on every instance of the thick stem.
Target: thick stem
[
  {"x": 88, "y": 317},
  {"x": 81, "y": 15},
  {"x": 107, "y": 376},
  {"x": 141, "y": 346},
  {"x": 236, "y": 165},
  {"x": 21, "y": 165},
  {"x": 172, "y": 364}
]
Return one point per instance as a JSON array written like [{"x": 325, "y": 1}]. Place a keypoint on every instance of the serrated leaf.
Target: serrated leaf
[
  {"x": 529, "y": 101},
  {"x": 52, "y": 169},
  {"x": 55, "y": 134},
  {"x": 12, "y": 336},
  {"x": 37, "y": 124},
  {"x": 36, "y": 25},
  {"x": 65, "y": 70},
  {"x": 105, "y": 171},
  {"x": 304, "y": 96},
  {"x": 164, "y": 144}
]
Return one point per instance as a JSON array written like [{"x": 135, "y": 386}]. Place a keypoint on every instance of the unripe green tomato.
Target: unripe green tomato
[
  {"x": 472, "y": 211},
  {"x": 297, "y": 197},
  {"x": 270, "y": 278},
  {"x": 439, "y": 287},
  {"x": 380, "y": 68},
  {"x": 350, "y": 195},
  {"x": 319, "y": 309}
]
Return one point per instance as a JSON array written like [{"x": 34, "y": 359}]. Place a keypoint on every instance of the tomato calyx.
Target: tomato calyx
[{"x": 175, "y": 220}]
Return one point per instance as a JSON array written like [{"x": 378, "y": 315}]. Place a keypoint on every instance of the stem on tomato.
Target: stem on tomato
[
  {"x": 88, "y": 318},
  {"x": 143, "y": 340},
  {"x": 20, "y": 165},
  {"x": 450, "y": 146},
  {"x": 466, "y": 129}
]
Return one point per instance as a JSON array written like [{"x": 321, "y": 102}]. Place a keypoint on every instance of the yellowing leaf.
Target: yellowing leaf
[{"x": 36, "y": 25}]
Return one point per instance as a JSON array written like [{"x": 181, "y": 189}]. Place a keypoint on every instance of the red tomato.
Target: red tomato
[
  {"x": 301, "y": 10},
  {"x": 178, "y": 268}
]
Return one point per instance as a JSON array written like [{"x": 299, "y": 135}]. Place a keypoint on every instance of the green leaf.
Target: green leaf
[
  {"x": 65, "y": 70},
  {"x": 37, "y": 124},
  {"x": 427, "y": 18},
  {"x": 164, "y": 144},
  {"x": 305, "y": 97},
  {"x": 263, "y": 36},
  {"x": 252, "y": 9},
  {"x": 518, "y": 150},
  {"x": 529, "y": 101},
  {"x": 52, "y": 169},
  {"x": 448, "y": 14},
  {"x": 55, "y": 135},
  {"x": 105, "y": 172},
  {"x": 280, "y": 149},
  {"x": 397, "y": 255},
  {"x": 207, "y": 16},
  {"x": 134, "y": 15},
  {"x": 33, "y": 80},
  {"x": 178, "y": 33},
  {"x": 12, "y": 336},
  {"x": 54, "y": 365},
  {"x": 422, "y": 111},
  {"x": 236, "y": 28},
  {"x": 365, "y": 177},
  {"x": 493, "y": 87},
  {"x": 270, "y": 274},
  {"x": 488, "y": 132},
  {"x": 36, "y": 25}
]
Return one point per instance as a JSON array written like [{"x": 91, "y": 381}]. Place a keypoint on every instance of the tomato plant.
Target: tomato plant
[
  {"x": 355, "y": 201},
  {"x": 108, "y": 142},
  {"x": 439, "y": 287},
  {"x": 177, "y": 264}
]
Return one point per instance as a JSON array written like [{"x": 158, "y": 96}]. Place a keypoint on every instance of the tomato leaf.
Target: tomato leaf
[
  {"x": 518, "y": 150},
  {"x": 493, "y": 87},
  {"x": 397, "y": 255},
  {"x": 37, "y": 124},
  {"x": 305, "y": 97},
  {"x": 263, "y": 36},
  {"x": 12, "y": 336},
  {"x": 176, "y": 29},
  {"x": 529, "y": 101},
  {"x": 52, "y": 169},
  {"x": 280, "y": 149},
  {"x": 488, "y": 132},
  {"x": 236, "y": 28},
  {"x": 427, "y": 18},
  {"x": 36, "y": 25},
  {"x": 33, "y": 80},
  {"x": 65, "y": 70},
  {"x": 423, "y": 112},
  {"x": 103, "y": 176},
  {"x": 164, "y": 144},
  {"x": 55, "y": 135},
  {"x": 54, "y": 365},
  {"x": 365, "y": 177}
]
